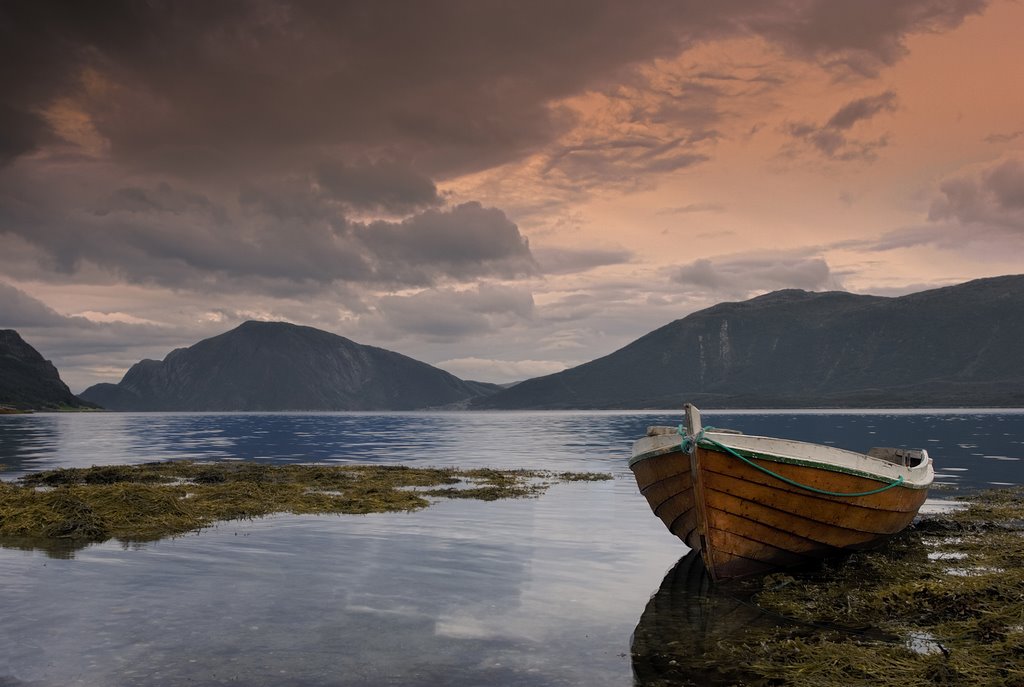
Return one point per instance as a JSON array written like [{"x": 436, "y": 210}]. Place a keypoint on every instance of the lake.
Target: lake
[{"x": 540, "y": 591}]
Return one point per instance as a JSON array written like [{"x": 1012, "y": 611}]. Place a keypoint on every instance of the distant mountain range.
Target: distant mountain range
[
  {"x": 960, "y": 345},
  {"x": 956, "y": 346},
  {"x": 28, "y": 381},
  {"x": 281, "y": 366}
]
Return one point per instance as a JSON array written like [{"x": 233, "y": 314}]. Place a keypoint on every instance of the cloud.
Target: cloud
[
  {"x": 993, "y": 197},
  {"x": 455, "y": 87},
  {"x": 861, "y": 109},
  {"x": 20, "y": 132},
  {"x": 659, "y": 121},
  {"x": 906, "y": 237},
  {"x": 447, "y": 314},
  {"x": 1004, "y": 137},
  {"x": 603, "y": 161},
  {"x": 741, "y": 276},
  {"x": 90, "y": 349},
  {"x": 275, "y": 239},
  {"x": 19, "y": 310},
  {"x": 981, "y": 207},
  {"x": 831, "y": 138},
  {"x": 570, "y": 260},
  {"x": 468, "y": 241},
  {"x": 691, "y": 208},
  {"x": 382, "y": 185},
  {"x": 859, "y": 37}
]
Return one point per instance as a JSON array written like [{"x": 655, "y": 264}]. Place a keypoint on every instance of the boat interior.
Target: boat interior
[{"x": 906, "y": 457}]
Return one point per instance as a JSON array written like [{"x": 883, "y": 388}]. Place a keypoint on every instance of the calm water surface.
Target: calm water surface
[{"x": 545, "y": 591}]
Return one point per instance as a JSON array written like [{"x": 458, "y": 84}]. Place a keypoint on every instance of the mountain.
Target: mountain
[
  {"x": 28, "y": 381},
  {"x": 959, "y": 345},
  {"x": 281, "y": 366}
]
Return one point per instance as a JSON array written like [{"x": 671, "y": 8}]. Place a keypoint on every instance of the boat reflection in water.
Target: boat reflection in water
[{"x": 675, "y": 641}]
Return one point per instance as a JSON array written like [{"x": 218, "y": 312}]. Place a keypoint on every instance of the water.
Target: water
[{"x": 545, "y": 591}]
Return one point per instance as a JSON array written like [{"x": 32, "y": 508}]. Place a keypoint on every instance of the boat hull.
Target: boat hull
[{"x": 745, "y": 521}]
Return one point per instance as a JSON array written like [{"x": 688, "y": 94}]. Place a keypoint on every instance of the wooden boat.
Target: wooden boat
[{"x": 752, "y": 504}]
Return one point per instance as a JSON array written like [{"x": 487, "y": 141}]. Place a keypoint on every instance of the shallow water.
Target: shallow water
[{"x": 544, "y": 591}]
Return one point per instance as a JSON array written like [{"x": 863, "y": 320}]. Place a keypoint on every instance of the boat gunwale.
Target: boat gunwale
[{"x": 906, "y": 473}]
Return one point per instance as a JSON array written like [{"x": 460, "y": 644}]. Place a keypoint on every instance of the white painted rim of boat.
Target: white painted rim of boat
[{"x": 797, "y": 453}]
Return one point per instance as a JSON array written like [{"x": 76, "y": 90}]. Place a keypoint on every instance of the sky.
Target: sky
[{"x": 500, "y": 189}]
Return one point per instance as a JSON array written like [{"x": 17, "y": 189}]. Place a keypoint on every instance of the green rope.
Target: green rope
[{"x": 689, "y": 442}]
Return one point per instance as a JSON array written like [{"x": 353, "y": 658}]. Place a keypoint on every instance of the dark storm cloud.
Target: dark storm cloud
[
  {"x": 454, "y": 85},
  {"x": 163, "y": 198},
  {"x": 465, "y": 242},
  {"x": 858, "y": 37},
  {"x": 381, "y": 185},
  {"x": 20, "y": 132},
  {"x": 832, "y": 139},
  {"x": 282, "y": 240}
]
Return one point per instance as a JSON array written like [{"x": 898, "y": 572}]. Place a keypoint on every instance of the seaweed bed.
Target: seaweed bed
[
  {"x": 940, "y": 604},
  {"x": 154, "y": 500}
]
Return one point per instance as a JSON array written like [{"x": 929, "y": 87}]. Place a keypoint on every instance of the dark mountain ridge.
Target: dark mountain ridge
[
  {"x": 28, "y": 381},
  {"x": 266, "y": 366},
  {"x": 958, "y": 345}
]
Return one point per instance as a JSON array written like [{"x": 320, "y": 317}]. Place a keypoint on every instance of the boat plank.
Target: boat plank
[
  {"x": 674, "y": 506},
  {"x": 896, "y": 499},
  {"x": 663, "y": 489},
  {"x": 805, "y": 510},
  {"x": 806, "y": 528},
  {"x": 659, "y": 468},
  {"x": 819, "y": 543},
  {"x": 684, "y": 526}
]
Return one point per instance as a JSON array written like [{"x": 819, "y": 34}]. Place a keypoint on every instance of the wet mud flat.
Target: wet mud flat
[
  {"x": 74, "y": 507},
  {"x": 940, "y": 604}
]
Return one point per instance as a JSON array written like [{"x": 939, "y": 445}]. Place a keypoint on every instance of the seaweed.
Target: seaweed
[{"x": 153, "y": 500}]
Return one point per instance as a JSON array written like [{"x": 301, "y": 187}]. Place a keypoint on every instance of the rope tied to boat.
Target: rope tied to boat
[{"x": 690, "y": 442}]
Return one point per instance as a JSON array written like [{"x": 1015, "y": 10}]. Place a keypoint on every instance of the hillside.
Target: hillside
[
  {"x": 28, "y": 381},
  {"x": 959, "y": 345},
  {"x": 280, "y": 366}
]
